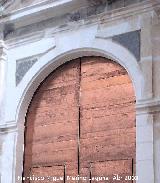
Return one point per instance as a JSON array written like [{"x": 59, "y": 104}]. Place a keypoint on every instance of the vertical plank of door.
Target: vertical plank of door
[
  {"x": 52, "y": 119},
  {"x": 107, "y": 112}
]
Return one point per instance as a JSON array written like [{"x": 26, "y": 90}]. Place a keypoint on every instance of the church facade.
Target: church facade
[{"x": 79, "y": 89}]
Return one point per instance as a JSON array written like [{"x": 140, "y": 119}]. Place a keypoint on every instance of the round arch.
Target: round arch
[{"x": 56, "y": 57}]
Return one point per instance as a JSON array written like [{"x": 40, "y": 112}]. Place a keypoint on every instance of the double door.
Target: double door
[{"x": 81, "y": 121}]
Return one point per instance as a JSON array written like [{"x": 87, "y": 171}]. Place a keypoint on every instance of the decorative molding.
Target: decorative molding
[
  {"x": 148, "y": 106},
  {"x": 131, "y": 41},
  {"x": 62, "y": 21},
  {"x": 85, "y": 16},
  {"x": 5, "y": 4},
  {"x": 25, "y": 39},
  {"x": 125, "y": 12},
  {"x": 8, "y": 127},
  {"x": 22, "y": 67}
]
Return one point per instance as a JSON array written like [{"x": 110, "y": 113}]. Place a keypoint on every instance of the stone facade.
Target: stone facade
[{"x": 38, "y": 36}]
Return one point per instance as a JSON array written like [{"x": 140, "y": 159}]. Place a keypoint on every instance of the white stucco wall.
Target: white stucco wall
[{"x": 53, "y": 48}]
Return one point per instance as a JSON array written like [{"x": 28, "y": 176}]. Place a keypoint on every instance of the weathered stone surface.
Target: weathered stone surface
[
  {"x": 131, "y": 41},
  {"x": 94, "y": 8},
  {"x": 5, "y": 3},
  {"x": 121, "y": 168},
  {"x": 22, "y": 66}
]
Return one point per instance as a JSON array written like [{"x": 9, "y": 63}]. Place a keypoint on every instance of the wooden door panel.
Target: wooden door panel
[
  {"x": 103, "y": 153},
  {"x": 48, "y": 174},
  {"x": 107, "y": 113},
  {"x": 88, "y": 84},
  {"x": 116, "y": 171},
  {"x": 82, "y": 114},
  {"x": 71, "y": 171},
  {"x": 52, "y": 132},
  {"x": 52, "y": 120},
  {"x": 117, "y": 96},
  {"x": 57, "y": 96},
  {"x": 93, "y": 122},
  {"x": 106, "y": 69}
]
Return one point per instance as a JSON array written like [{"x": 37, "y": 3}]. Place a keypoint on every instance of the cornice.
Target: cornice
[
  {"x": 104, "y": 17},
  {"x": 49, "y": 9},
  {"x": 124, "y": 12},
  {"x": 40, "y": 11},
  {"x": 148, "y": 106},
  {"x": 23, "y": 40},
  {"x": 9, "y": 127}
]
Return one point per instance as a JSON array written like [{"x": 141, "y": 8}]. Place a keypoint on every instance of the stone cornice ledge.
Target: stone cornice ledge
[
  {"x": 8, "y": 127},
  {"x": 49, "y": 9},
  {"x": 101, "y": 18},
  {"x": 25, "y": 39},
  {"x": 40, "y": 11},
  {"x": 134, "y": 9},
  {"x": 148, "y": 106}
]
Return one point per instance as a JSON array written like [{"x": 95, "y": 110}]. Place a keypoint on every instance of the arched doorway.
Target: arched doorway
[{"x": 82, "y": 121}]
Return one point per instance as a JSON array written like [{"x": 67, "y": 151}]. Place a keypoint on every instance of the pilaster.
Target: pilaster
[{"x": 3, "y": 62}]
